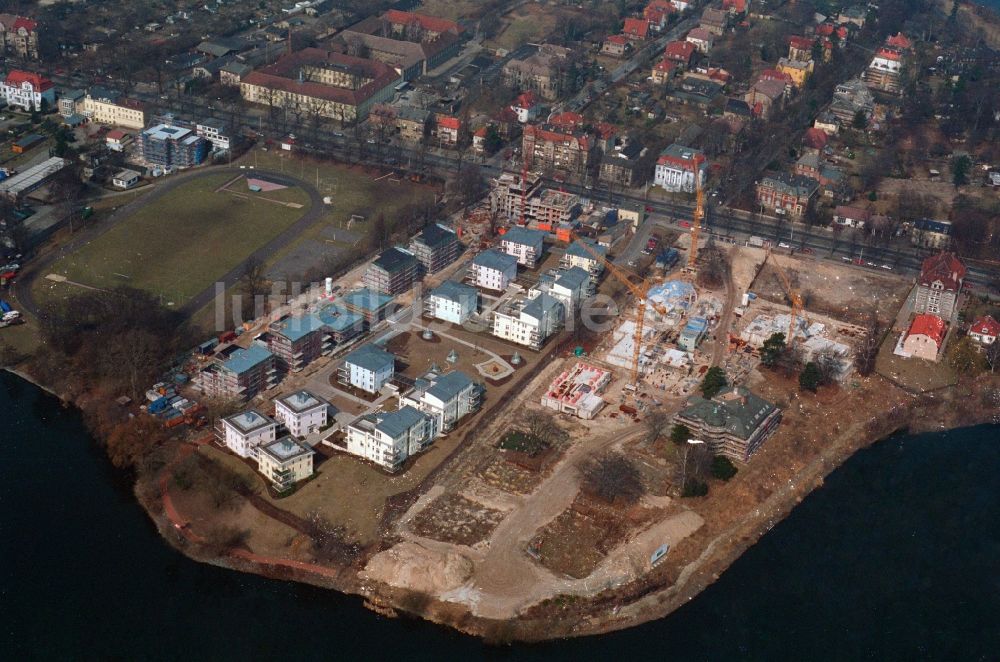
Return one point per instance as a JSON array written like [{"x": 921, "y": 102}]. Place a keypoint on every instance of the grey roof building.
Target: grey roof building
[
  {"x": 734, "y": 423},
  {"x": 435, "y": 247},
  {"x": 494, "y": 259},
  {"x": 393, "y": 271},
  {"x": 370, "y": 357}
]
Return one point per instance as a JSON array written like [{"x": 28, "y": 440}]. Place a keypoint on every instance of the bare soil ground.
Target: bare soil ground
[
  {"x": 456, "y": 519},
  {"x": 576, "y": 541}
]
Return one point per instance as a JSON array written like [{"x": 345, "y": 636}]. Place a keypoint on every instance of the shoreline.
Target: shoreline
[{"x": 654, "y": 603}]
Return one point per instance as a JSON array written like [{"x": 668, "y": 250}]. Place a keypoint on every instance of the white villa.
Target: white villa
[
  {"x": 302, "y": 413},
  {"x": 389, "y": 438},
  {"x": 368, "y": 368},
  {"x": 447, "y": 398},
  {"x": 243, "y": 433},
  {"x": 525, "y": 244}
]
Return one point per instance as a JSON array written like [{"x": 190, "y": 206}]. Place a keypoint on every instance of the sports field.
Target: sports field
[{"x": 181, "y": 243}]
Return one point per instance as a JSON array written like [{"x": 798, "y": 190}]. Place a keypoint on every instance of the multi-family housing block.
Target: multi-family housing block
[
  {"x": 678, "y": 168},
  {"x": 28, "y": 90},
  {"x": 302, "y": 412},
  {"x": 525, "y": 244},
  {"x": 734, "y": 423},
  {"x": 493, "y": 270},
  {"x": 452, "y": 302},
  {"x": 238, "y": 373},
  {"x": 368, "y": 368},
  {"x": 529, "y": 322},
  {"x": 447, "y": 398},
  {"x": 939, "y": 284},
  {"x": 395, "y": 270},
  {"x": 435, "y": 247},
  {"x": 389, "y": 438},
  {"x": 242, "y": 433}
]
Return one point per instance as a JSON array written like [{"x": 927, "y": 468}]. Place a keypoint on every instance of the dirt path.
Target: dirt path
[{"x": 721, "y": 347}]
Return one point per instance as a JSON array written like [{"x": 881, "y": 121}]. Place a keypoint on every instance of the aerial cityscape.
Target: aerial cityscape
[{"x": 529, "y": 319}]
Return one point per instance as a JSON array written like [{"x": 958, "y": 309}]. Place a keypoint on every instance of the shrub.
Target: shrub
[
  {"x": 695, "y": 488},
  {"x": 723, "y": 468}
]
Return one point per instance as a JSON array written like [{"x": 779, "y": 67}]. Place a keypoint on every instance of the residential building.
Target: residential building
[
  {"x": 214, "y": 131},
  {"x": 302, "y": 413},
  {"x": 371, "y": 304},
  {"x": 435, "y": 247},
  {"x": 493, "y": 270},
  {"x": 765, "y": 95},
  {"x": 657, "y": 13},
  {"x": 368, "y": 368},
  {"x": 564, "y": 147},
  {"x": 939, "y": 284},
  {"x": 827, "y": 123},
  {"x": 541, "y": 71},
  {"x": 509, "y": 191},
  {"x": 239, "y": 373},
  {"x": 322, "y": 83},
  {"x": 410, "y": 25},
  {"x": 339, "y": 323},
  {"x": 925, "y": 337},
  {"x": 850, "y": 98},
  {"x": 524, "y": 244},
  {"x": 296, "y": 341},
  {"x": 692, "y": 334},
  {"x": 172, "y": 146},
  {"x": 125, "y": 179},
  {"x": 412, "y": 55},
  {"x": 117, "y": 140},
  {"x": 680, "y": 5},
  {"x": 19, "y": 36},
  {"x": 576, "y": 391},
  {"x": 526, "y": 105},
  {"x": 412, "y": 123},
  {"x": 883, "y": 73},
  {"x": 851, "y": 217},
  {"x": 28, "y": 90},
  {"x": 679, "y": 52},
  {"x": 701, "y": 39},
  {"x": 447, "y": 398},
  {"x": 232, "y": 73},
  {"x": 734, "y": 423},
  {"x": 567, "y": 286},
  {"x": 549, "y": 208},
  {"x": 663, "y": 71},
  {"x": 984, "y": 330},
  {"x": 243, "y": 433},
  {"x": 616, "y": 45},
  {"x": 636, "y": 29},
  {"x": 856, "y": 14},
  {"x": 109, "y": 107},
  {"x": 678, "y": 169},
  {"x": 786, "y": 194},
  {"x": 715, "y": 21},
  {"x": 394, "y": 271},
  {"x": 797, "y": 70},
  {"x": 452, "y": 302},
  {"x": 587, "y": 255},
  {"x": 70, "y": 101},
  {"x": 285, "y": 462},
  {"x": 389, "y": 438},
  {"x": 621, "y": 166},
  {"x": 931, "y": 233},
  {"x": 529, "y": 322}
]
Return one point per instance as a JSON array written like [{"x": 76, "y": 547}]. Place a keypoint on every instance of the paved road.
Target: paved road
[{"x": 39, "y": 267}]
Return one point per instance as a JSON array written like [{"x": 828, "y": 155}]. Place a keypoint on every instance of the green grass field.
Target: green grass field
[{"x": 181, "y": 243}]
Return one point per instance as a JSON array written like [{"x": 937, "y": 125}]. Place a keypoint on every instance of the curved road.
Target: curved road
[{"x": 41, "y": 265}]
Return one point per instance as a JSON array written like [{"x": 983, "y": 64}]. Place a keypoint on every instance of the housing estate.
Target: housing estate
[
  {"x": 389, "y": 438},
  {"x": 452, "y": 302},
  {"x": 302, "y": 412},
  {"x": 525, "y": 244},
  {"x": 285, "y": 462},
  {"x": 368, "y": 368},
  {"x": 297, "y": 341},
  {"x": 493, "y": 270},
  {"x": 447, "y": 398},
  {"x": 395, "y": 270},
  {"x": 587, "y": 255},
  {"x": 529, "y": 322},
  {"x": 238, "y": 373}
]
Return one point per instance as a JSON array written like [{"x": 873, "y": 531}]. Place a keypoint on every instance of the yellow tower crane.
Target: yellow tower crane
[
  {"x": 793, "y": 297},
  {"x": 697, "y": 216}
]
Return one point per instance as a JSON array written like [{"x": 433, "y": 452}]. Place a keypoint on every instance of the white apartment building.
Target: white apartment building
[
  {"x": 447, "y": 398},
  {"x": 302, "y": 413},
  {"x": 493, "y": 270},
  {"x": 452, "y": 302},
  {"x": 589, "y": 260},
  {"x": 242, "y": 433},
  {"x": 529, "y": 322},
  {"x": 27, "y": 90},
  {"x": 368, "y": 368},
  {"x": 285, "y": 462},
  {"x": 114, "y": 110},
  {"x": 568, "y": 287},
  {"x": 525, "y": 244},
  {"x": 214, "y": 131},
  {"x": 389, "y": 438}
]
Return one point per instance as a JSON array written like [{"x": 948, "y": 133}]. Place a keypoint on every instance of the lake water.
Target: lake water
[{"x": 897, "y": 557}]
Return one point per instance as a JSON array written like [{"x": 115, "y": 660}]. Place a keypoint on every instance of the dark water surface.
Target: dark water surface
[{"x": 895, "y": 558}]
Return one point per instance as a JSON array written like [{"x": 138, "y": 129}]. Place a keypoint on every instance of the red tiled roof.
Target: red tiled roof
[
  {"x": 657, "y": 10},
  {"x": 543, "y": 134},
  {"x": 282, "y": 75},
  {"x": 944, "y": 267},
  {"x": 480, "y": 132},
  {"x": 986, "y": 326},
  {"x": 617, "y": 39},
  {"x": 800, "y": 43},
  {"x": 888, "y": 54},
  {"x": 665, "y": 66},
  {"x": 815, "y": 138},
  {"x": 525, "y": 100},
  {"x": 736, "y": 5},
  {"x": 16, "y": 77},
  {"x": 931, "y": 326},
  {"x": 566, "y": 119},
  {"x": 605, "y": 130},
  {"x": 899, "y": 40},
  {"x": 452, "y": 123},
  {"x": 429, "y": 23},
  {"x": 636, "y": 27},
  {"x": 701, "y": 34},
  {"x": 116, "y": 134},
  {"x": 13, "y": 22},
  {"x": 679, "y": 51}
]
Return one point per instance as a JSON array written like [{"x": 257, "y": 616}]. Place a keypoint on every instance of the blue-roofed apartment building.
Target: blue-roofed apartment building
[
  {"x": 446, "y": 397},
  {"x": 370, "y": 304},
  {"x": 569, "y": 287},
  {"x": 368, "y": 368},
  {"x": 525, "y": 244},
  {"x": 587, "y": 255},
  {"x": 452, "y": 302},
  {"x": 529, "y": 322},
  {"x": 297, "y": 341},
  {"x": 493, "y": 270},
  {"x": 239, "y": 373},
  {"x": 340, "y": 323},
  {"x": 389, "y": 438}
]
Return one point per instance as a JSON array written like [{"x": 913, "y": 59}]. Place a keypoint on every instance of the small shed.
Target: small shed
[
  {"x": 26, "y": 143},
  {"x": 125, "y": 179}
]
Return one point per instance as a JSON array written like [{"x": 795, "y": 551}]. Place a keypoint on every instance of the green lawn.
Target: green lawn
[{"x": 181, "y": 243}]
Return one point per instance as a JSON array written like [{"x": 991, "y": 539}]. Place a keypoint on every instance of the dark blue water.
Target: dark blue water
[{"x": 895, "y": 558}]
